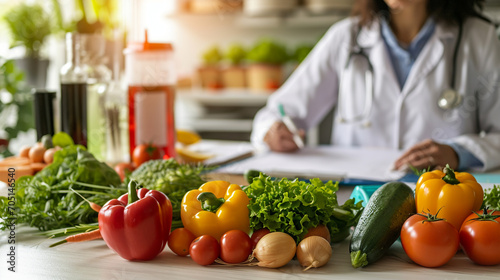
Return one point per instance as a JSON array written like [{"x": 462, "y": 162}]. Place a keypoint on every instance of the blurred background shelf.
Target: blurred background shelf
[
  {"x": 225, "y": 97},
  {"x": 222, "y": 114}
]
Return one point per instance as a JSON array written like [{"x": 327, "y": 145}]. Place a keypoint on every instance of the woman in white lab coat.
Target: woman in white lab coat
[{"x": 411, "y": 45}]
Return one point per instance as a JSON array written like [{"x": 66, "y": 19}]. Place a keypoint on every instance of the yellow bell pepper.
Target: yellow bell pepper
[
  {"x": 454, "y": 194},
  {"x": 215, "y": 208}
]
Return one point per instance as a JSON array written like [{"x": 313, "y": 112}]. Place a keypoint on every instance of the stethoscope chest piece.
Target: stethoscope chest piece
[{"x": 449, "y": 99}]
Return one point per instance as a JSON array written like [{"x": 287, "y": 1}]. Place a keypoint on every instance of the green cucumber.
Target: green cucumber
[{"x": 380, "y": 223}]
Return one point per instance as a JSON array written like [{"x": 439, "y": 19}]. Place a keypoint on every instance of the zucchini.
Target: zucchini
[{"x": 381, "y": 222}]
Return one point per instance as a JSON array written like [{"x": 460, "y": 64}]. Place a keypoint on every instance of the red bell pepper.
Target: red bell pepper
[{"x": 140, "y": 229}]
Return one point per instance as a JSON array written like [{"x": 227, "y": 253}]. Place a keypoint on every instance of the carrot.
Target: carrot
[
  {"x": 23, "y": 170},
  {"x": 37, "y": 166},
  {"x": 14, "y": 161},
  {"x": 84, "y": 236},
  {"x": 94, "y": 206}
]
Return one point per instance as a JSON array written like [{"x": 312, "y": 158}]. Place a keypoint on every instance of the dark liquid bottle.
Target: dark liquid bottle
[
  {"x": 74, "y": 111},
  {"x": 43, "y": 108},
  {"x": 74, "y": 92}
]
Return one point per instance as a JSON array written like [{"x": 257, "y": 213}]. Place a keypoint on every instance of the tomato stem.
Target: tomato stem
[
  {"x": 429, "y": 217},
  {"x": 486, "y": 216},
  {"x": 450, "y": 177}
]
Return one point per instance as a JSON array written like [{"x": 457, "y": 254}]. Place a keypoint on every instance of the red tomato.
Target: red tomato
[
  {"x": 123, "y": 169},
  {"x": 320, "y": 230},
  {"x": 204, "y": 250},
  {"x": 257, "y": 235},
  {"x": 180, "y": 240},
  {"x": 145, "y": 152},
  {"x": 480, "y": 239},
  {"x": 429, "y": 243},
  {"x": 235, "y": 246}
]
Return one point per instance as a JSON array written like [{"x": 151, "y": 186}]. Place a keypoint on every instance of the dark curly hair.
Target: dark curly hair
[{"x": 449, "y": 11}]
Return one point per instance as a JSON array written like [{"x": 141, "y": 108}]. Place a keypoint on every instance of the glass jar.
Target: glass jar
[{"x": 150, "y": 75}]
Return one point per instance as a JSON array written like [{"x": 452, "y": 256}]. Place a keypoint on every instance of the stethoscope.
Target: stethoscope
[{"x": 449, "y": 98}]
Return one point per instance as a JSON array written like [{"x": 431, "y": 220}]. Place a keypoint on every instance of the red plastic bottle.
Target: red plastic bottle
[{"x": 150, "y": 75}]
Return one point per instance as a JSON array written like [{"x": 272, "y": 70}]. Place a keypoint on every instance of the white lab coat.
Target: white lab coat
[{"x": 400, "y": 118}]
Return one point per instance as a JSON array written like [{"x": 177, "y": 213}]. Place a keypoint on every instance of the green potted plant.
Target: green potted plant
[
  {"x": 30, "y": 25},
  {"x": 265, "y": 72},
  {"x": 16, "y": 106},
  {"x": 209, "y": 73},
  {"x": 234, "y": 75}
]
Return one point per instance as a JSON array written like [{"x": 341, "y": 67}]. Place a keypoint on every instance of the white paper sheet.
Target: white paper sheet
[
  {"x": 324, "y": 161},
  {"x": 223, "y": 152}
]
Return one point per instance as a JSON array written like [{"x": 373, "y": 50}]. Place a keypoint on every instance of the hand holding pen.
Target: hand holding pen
[{"x": 283, "y": 136}]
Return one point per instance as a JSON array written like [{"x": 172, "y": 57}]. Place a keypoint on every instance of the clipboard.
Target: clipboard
[{"x": 350, "y": 166}]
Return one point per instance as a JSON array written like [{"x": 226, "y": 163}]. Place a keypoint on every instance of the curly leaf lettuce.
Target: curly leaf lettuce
[
  {"x": 294, "y": 206},
  {"x": 492, "y": 198}
]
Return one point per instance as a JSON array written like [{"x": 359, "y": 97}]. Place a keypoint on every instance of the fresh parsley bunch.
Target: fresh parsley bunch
[
  {"x": 294, "y": 206},
  {"x": 47, "y": 200}
]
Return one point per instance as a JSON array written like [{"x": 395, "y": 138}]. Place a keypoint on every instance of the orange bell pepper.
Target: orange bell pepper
[{"x": 454, "y": 194}]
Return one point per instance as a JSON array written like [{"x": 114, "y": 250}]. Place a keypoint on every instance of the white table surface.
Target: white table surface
[{"x": 94, "y": 260}]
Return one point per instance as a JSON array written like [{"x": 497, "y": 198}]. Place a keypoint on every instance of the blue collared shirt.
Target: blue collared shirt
[{"x": 403, "y": 58}]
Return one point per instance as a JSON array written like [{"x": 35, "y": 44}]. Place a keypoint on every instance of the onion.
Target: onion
[
  {"x": 313, "y": 251},
  {"x": 275, "y": 250}
]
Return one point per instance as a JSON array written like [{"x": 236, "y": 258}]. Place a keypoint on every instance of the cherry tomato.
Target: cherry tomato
[
  {"x": 235, "y": 246},
  {"x": 480, "y": 239},
  {"x": 204, "y": 250},
  {"x": 180, "y": 240},
  {"x": 257, "y": 235},
  {"x": 145, "y": 152},
  {"x": 123, "y": 169},
  {"x": 429, "y": 243}
]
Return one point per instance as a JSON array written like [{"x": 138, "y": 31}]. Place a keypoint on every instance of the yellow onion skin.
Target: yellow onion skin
[
  {"x": 275, "y": 249},
  {"x": 313, "y": 251}
]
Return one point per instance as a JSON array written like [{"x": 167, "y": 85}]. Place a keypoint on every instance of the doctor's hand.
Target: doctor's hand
[
  {"x": 280, "y": 139},
  {"x": 428, "y": 154}
]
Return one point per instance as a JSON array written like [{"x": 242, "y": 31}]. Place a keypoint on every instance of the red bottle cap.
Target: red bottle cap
[{"x": 147, "y": 46}]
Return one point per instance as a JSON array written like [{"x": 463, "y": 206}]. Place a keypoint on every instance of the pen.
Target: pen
[{"x": 291, "y": 126}]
